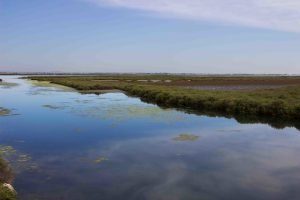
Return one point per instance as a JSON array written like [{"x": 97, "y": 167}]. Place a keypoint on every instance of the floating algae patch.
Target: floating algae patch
[
  {"x": 115, "y": 108},
  {"x": 4, "y": 112},
  {"x": 100, "y": 159},
  {"x": 7, "y": 85},
  {"x": 22, "y": 162},
  {"x": 120, "y": 112},
  {"x": 85, "y": 101},
  {"x": 18, "y": 160},
  {"x": 6, "y": 150},
  {"x": 54, "y": 107},
  {"x": 78, "y": 130},
  {"x": 24, "y": 158},
  {"x": 186, "y": 137}
]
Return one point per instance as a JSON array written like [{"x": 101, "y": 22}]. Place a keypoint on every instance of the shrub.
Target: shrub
[{"x": 7, "y": 194}]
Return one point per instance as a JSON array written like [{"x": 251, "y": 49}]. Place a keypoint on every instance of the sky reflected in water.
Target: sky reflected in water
[{"x": 112, "y": 146}]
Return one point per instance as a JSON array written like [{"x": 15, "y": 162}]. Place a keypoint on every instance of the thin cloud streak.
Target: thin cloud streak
[{"x": 283, "y": 15}]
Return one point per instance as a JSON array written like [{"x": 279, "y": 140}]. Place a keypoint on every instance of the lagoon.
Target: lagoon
[{"x": 69, "y": 145}]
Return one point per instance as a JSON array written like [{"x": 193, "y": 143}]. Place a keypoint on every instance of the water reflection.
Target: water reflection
[
  {"x": 114, "y": 107},
  {"x": 68, "y": 149}
]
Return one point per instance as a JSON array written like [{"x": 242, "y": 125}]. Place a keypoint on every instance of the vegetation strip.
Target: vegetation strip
[{"x": 281, "y": 104}]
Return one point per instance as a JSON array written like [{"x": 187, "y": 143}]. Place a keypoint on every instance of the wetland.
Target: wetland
[{"x": 62, "y": 144}]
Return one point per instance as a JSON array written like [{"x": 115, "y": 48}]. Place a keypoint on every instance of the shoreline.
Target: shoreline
[
  {"x": 7, "y": 191},
  {"x": 277, "y": 104}
]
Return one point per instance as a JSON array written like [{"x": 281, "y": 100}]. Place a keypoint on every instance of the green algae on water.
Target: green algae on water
[
  {"x": 6, "y": 150},
  {"x": 261, "y": 105},
  {"x": 18, "y": 160},
  {"x": 186, "y": 137},
  {"x": 78, "y": 130},
  {"x": 23, "y": 158},
  {"x": 54, "y": 107},
  {"x": 7, "y": 85},
  {"x": 122, "y": 112},
  {"x": 100, "y": 159},
  {"x": 4, "y": 112}
]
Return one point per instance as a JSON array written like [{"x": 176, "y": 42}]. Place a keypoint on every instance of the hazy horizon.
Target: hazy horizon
[
  {"x": 142, "y": 73},
  {"x": 161, "y": 36}
]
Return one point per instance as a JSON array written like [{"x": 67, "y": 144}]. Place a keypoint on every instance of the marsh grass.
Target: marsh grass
[{"x": 281, "y": 104}]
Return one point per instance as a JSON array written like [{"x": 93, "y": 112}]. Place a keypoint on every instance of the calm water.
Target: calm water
[{"x": 111, "y": 146}]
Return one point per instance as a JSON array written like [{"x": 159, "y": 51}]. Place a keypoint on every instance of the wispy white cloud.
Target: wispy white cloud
[{"x": 272, "y": 14}]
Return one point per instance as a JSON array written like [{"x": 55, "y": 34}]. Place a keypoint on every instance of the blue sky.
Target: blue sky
[{"x": 192, "y": 36}]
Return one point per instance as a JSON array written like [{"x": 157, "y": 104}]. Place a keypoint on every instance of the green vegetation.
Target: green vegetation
[
  {"x": 6, "y": 173},
  {"x": 6, "y": 149},
  {"x": 186, "y": 137},
  {"x": 278, "y": 106},
  {"x": 20, "y": 161},
  {"x": 23, "y": 158},
  {"x": 7, "y": 85},
  {"x": 54, "y": 107},
  {"x": 4, "y": 112},
  {"x": 46, "y": 84},
  {"x": 100, "y": 159},
  {"x": 7, "y": 194},
  {"x": 6, "y": 176}
]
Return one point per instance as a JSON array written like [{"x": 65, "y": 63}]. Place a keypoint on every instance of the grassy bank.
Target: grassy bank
[{"x": 281, "y": 104}]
